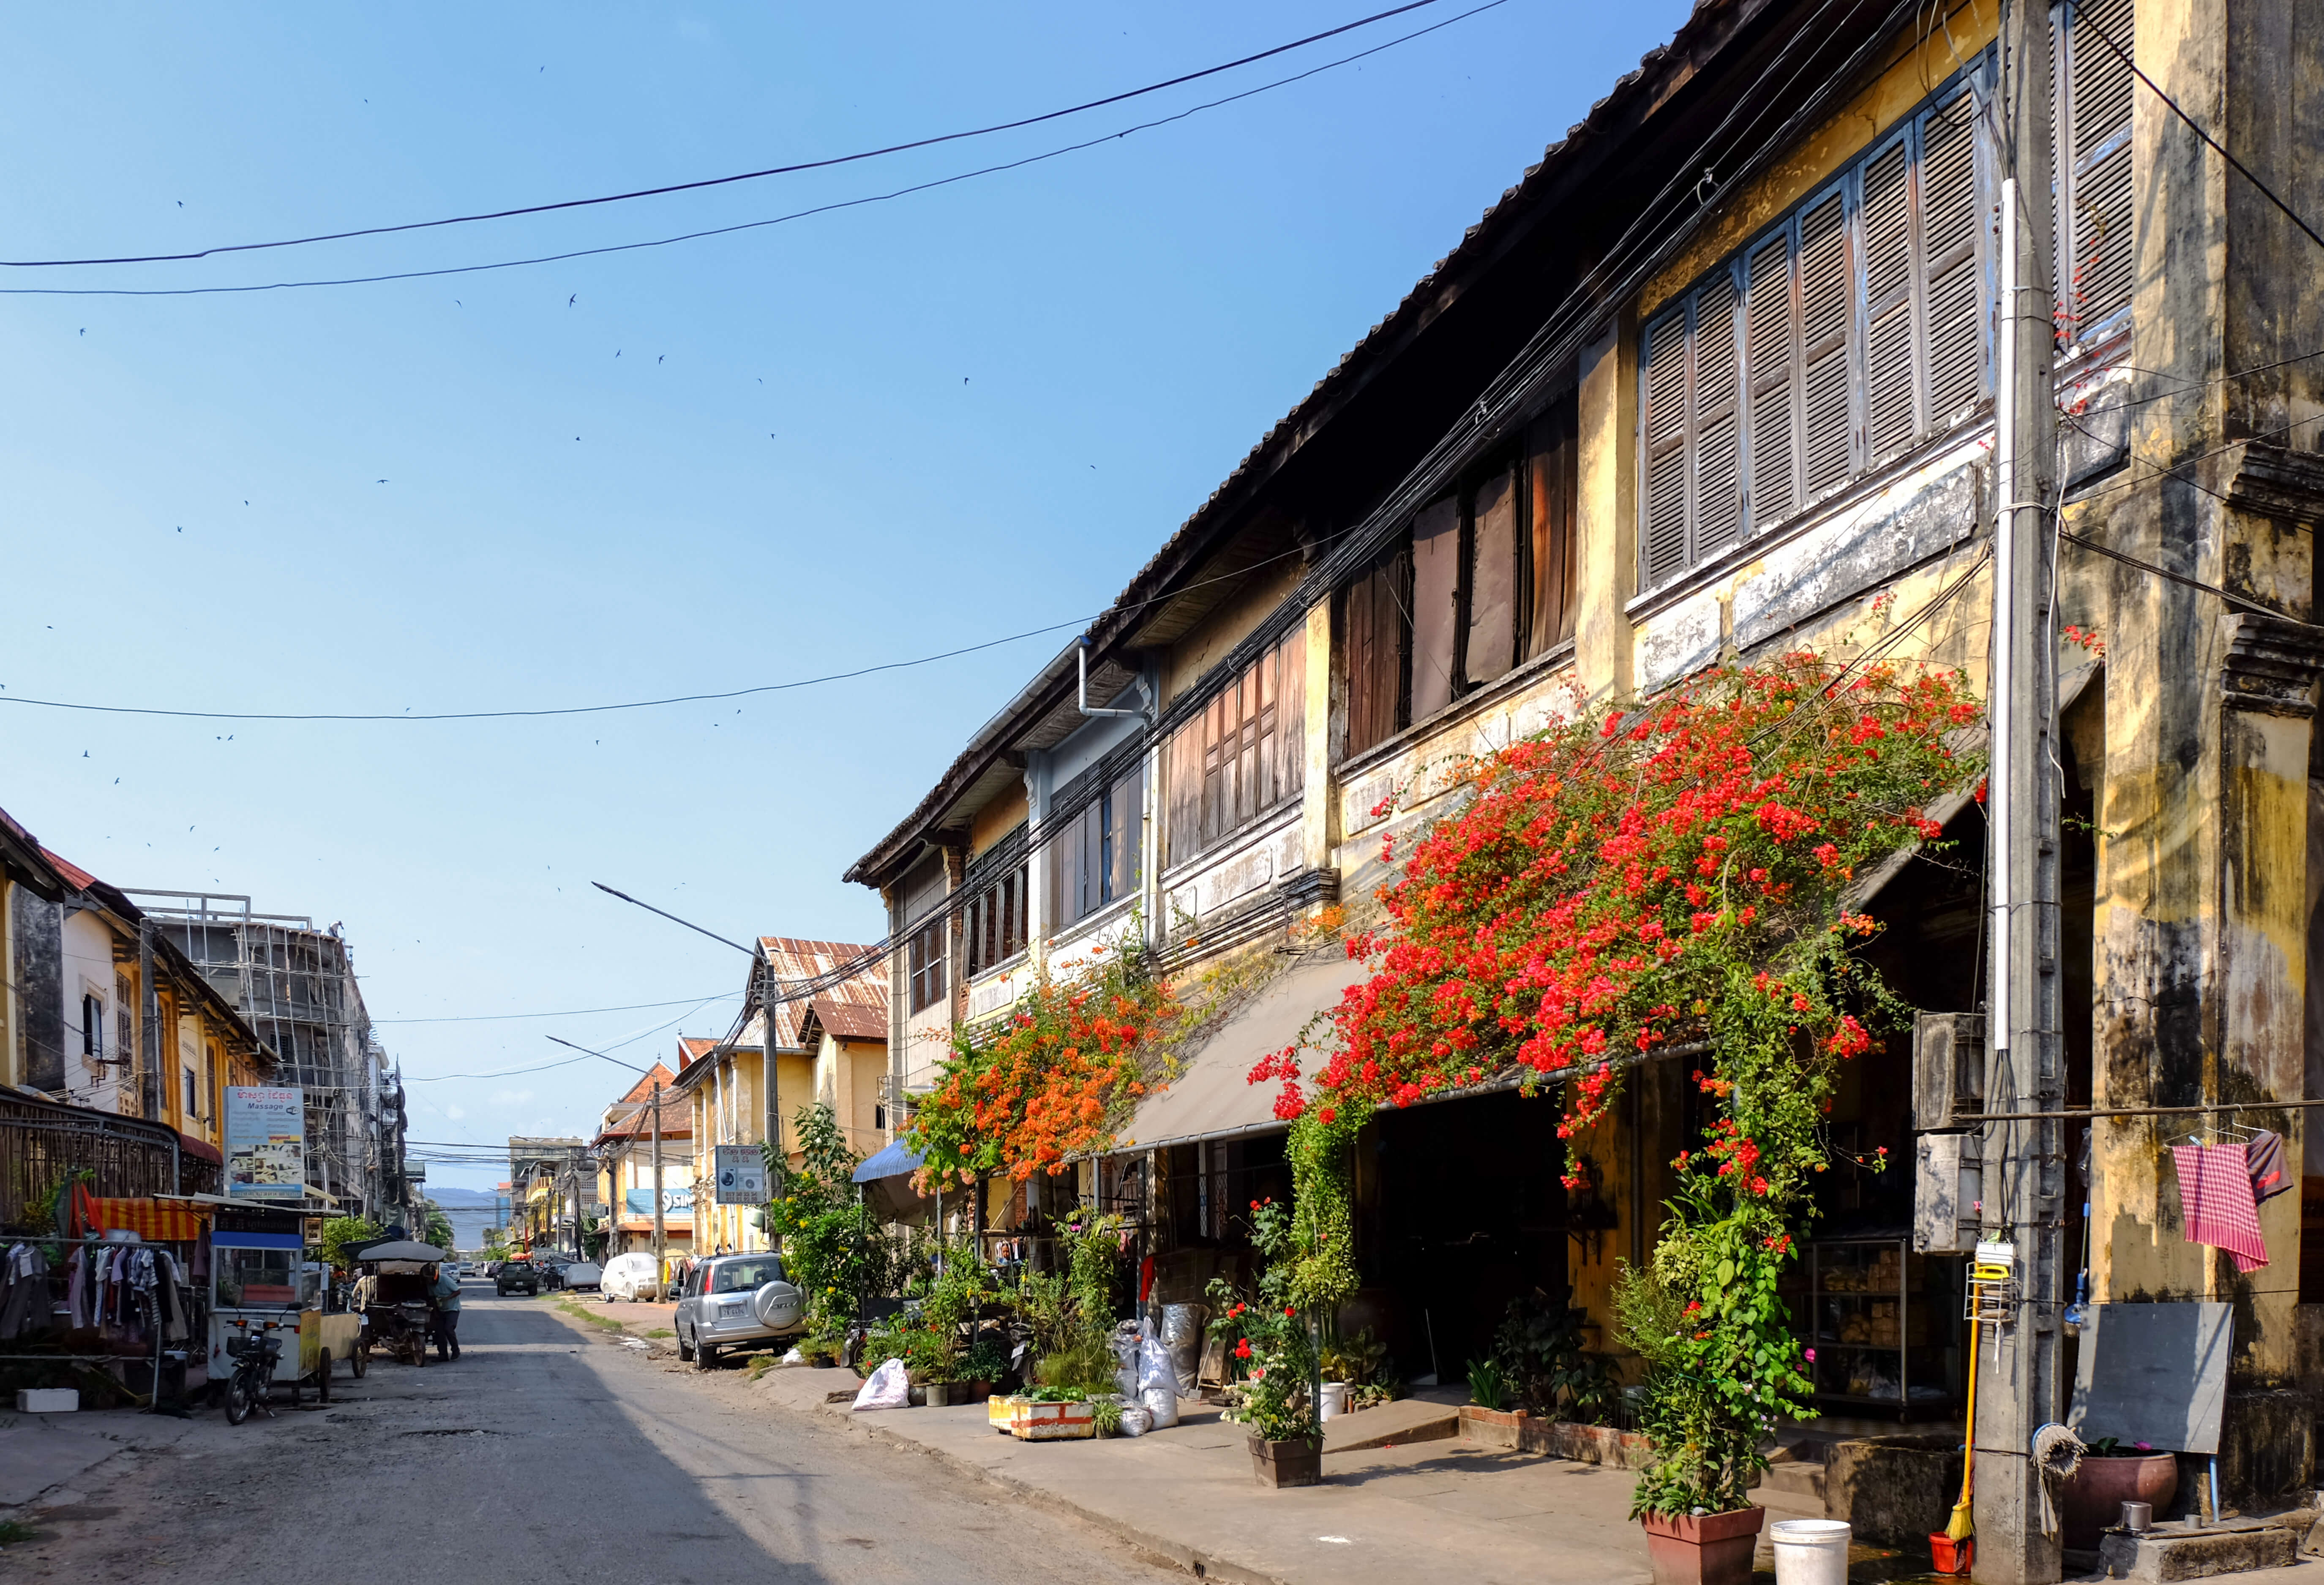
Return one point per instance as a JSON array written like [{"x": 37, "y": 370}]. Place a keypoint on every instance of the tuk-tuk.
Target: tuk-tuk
[
  {"x": 392, "y": 1293},
  {"x": 257, "y": 1276}
]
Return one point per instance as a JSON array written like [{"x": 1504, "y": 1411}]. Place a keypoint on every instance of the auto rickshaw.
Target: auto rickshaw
[{"x": 392, "y": 1294}]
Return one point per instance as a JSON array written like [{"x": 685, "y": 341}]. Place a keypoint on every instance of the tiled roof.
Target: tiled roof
[{"x": 81, "y": 879}]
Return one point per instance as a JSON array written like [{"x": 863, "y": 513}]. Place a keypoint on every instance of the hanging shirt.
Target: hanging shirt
[
  {"x": 2263, "y": 1156},
  {"x": 2217, "y": 1203}
]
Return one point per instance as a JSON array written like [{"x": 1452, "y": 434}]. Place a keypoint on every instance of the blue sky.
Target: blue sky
[{"x": 869, "y": 435}]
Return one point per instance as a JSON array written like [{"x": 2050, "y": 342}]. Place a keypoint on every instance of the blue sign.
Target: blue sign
[{"x": 640, "y": 1202}]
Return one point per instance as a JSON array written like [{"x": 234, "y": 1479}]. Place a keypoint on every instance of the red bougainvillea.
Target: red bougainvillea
[
  {"x": 1047, "y": 1081},
  {"x": 1621, "y": 882}
]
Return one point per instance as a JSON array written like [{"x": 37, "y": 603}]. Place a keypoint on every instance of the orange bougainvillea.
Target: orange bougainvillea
[{"x": 1049, "y": 1079}]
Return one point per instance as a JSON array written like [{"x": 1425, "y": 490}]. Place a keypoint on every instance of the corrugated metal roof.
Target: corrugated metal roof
[
  {"x": 791, "y": 958},
  {"x": 850, "y": 1021}
]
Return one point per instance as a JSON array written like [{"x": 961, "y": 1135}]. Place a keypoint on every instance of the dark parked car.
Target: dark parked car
[{"x": 514, "y": 1274}]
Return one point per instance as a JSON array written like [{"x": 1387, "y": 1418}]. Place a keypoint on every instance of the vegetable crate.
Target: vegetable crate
[{"x": 1030, "y": 1421}]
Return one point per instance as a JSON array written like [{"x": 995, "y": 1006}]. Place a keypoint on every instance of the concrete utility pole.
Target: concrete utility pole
[
  {"x": 2024, "y": 1193},
  {"x": 659, "y": 1248}
]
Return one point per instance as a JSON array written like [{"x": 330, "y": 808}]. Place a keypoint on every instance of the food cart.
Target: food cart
[{"x": 258, "y": 1272}]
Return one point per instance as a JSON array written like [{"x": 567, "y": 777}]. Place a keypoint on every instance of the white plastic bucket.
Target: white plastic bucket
[
  {"x": 1810, "y": 1551},
  {"x": 1334, "y": 1400}
]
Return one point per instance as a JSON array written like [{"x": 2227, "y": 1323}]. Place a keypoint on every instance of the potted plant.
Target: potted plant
[
  {"x": 983, "y": 1364},
  {"x": 1275, "y": 1348}
]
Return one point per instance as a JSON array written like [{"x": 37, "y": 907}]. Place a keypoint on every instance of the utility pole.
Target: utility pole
[
  {"x": 2024, "y": 1191},
  {"x": 149, "y": 1021},
  {"x": 661, "y": 1275},
  {"x": 770, "y": 989}
]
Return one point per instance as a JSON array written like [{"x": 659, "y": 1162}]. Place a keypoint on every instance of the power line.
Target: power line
[
  {"x": 570, "y": 1012},
  {"x": 2082, "y": 19},
  {"x": 680, "y": 187},
  {"x": 1083, "y": 622},
  {"x": 900, "y": 192},
  {"x": 2238, "y": 601}
]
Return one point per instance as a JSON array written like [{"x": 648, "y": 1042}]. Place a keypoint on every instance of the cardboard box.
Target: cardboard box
[{"x": 47, "y": 1400}]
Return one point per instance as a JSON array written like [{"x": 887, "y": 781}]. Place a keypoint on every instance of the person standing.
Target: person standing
[{"x": 444, "y": 1294}]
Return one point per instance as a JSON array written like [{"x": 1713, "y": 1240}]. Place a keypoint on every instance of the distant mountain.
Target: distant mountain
[{"x": 450, "y": 1198}]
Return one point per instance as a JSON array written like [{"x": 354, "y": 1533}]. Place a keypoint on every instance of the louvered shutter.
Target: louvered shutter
[
  {"x": 1551, "y": 466},
  {"x": 1953, "y": 262},
  {"x": 1771, "y": 356},
  {"x": 2096, "y": 185},
  {"x": 1891, "y": 364},
  {"x": 1718, "y": 419},
  {"x": 1663, "y": 372},
  {"x": 1182, "y": 766},
  {"x": 1828, "y": 442}
]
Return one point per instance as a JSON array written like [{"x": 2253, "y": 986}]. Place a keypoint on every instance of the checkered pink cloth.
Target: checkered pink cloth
[{"x": 2217, "y": 1203}]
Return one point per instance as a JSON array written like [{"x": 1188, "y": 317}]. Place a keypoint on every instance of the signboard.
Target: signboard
[
  {"x": 265, "y": 1142},
  {"x": 2153, "y": 1375},
  {"x": 742, "y": 1175},
  {"x": 674, "y": 1202}
]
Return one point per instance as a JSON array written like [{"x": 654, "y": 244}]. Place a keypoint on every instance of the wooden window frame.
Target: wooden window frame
[
  {"x": 997, "y": 923},
  {"x": 924, "y": 958},
  {"x": 1836, "y": 368},
  {"x": 2092, "y": 168},
  {"x": 1241, "y": 758}
]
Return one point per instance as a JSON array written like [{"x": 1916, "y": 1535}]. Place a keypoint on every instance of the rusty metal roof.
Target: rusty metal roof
[
  {"x": 791, "y": 958},
  {"x": 850, "y": 1020}
]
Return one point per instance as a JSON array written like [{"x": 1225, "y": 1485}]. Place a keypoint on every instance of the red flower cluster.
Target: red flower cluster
[{"x": 1608, "y": 882}]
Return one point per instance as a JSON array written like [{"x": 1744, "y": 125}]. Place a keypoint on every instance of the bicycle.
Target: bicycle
[{"x": 252, "y": 1380}]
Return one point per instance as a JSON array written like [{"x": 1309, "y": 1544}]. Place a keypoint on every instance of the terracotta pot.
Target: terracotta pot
[
  {"x": 1288, "y": 1463},
  {"x": 1710, "y": 1549},
  {"x": 2092, "y": 1498},
  {"x": 977, "y": 1391}
]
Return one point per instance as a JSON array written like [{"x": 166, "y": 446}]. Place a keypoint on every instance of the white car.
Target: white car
[
  {"x": 631, "y": 1278},
  {"x": 584, "y": 1273}
]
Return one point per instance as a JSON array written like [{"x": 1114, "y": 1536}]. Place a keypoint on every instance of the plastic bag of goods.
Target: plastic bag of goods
[
  {"x": 1128, "y": 1337},
  {"x": 887, "y": 1387},
  {"x": 1182, "y": 1334},
  {"x": 1136, "y": 1419},
  {"x": 1157, "y": 1381}
]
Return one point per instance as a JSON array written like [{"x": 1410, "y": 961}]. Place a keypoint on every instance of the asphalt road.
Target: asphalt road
[{"x": 548, "y": 1453}]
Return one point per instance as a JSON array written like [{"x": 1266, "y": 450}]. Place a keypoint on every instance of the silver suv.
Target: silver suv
[{"x": 736, "y": 1302}]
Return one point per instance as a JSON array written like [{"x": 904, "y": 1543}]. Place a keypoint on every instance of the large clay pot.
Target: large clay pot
[
  {"x": 1713, "y": 1549},
  {"x": 2092, "y": 1497}
]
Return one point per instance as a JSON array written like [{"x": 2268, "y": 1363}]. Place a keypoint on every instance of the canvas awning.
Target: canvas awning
[
  {"x": 887, "y": 1179},
  {"x": 1214, "y": 1098}
]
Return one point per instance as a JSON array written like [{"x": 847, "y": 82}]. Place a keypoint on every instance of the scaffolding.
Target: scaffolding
[{"x": 295, "y": 986}]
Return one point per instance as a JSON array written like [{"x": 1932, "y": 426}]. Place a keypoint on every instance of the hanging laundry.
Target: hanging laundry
[
  {"x": 2217, "y": 1203},
  {"x": 2263, "y": 1155}
]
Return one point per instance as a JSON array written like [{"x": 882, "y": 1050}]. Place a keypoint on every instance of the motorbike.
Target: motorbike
[{"x": 254, "y": 1358}]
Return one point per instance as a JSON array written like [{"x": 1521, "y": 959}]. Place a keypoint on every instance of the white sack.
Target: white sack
[{"x": 887, "y": 1387}]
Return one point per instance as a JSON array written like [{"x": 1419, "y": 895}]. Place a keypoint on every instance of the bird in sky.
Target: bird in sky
[
  {"x": 617, "y": 352},
  {"x": 574, "y": 298},
  {"x": 84, "y": 330},
  {"x": 660, "y": 356},
  {"x": 383, "y": 481}
]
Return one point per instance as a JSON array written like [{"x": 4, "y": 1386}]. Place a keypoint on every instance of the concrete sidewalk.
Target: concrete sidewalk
[
  {"x": 1419, "y": 1509},
  {"x": 1431, "y": 1511}
]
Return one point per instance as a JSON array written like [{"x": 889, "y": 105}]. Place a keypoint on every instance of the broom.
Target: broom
[{"x": 1960, "y": 1526}]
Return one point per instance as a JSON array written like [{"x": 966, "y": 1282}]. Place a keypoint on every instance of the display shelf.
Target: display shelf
[{"x": 1876, "y": 1283}]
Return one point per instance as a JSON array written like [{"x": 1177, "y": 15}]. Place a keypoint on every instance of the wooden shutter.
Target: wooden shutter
[
  {"x": 1951, "y": 223},
  {"x": 1828, "y": 445},
  {"x": 1718, "y": 419},
  {"x": 1376, "y": 632},
  {"x": 1552, "y": 471},
  {"x": 1891, "y": 370},
  {"x": 1663, "y": 379},
  {"x": 1435, "y": 605},
  {"x": 1771, "y": 356},
  {"x": 2096, "y": 184},
  {"x": 1182, "y": 770},
  {"x": 1291, "y": 715},
  {"x": 1492, "y": 578}
]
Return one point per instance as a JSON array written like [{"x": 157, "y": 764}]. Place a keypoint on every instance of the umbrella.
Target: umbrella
[{"x": 399, "y": 1249}]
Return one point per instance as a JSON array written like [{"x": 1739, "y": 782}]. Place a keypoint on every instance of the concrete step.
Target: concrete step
[
  {"x": 1800, "y": 1483},
  {"x": 1407, "y": 1420}
]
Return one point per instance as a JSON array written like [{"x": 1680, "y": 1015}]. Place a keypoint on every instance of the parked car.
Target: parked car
[
  {"x": 584, "y": 1273},
  {"x": 737, "y": 1302},
  {"x": 631, "y": 1278},
  {"x": 514, "y": 1274}
]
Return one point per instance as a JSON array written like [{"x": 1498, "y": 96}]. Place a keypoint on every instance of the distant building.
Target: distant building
[{"x": 625, "y": 1148}]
